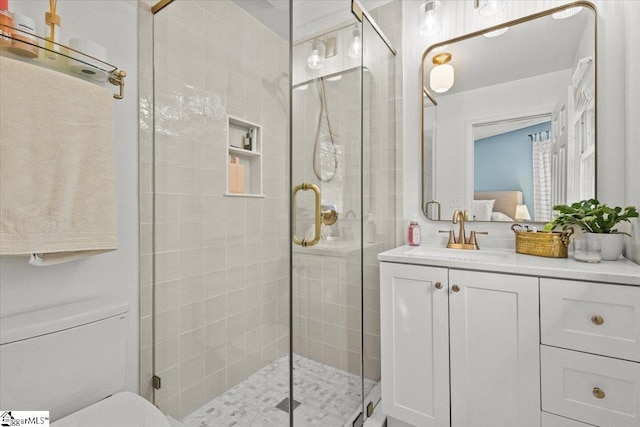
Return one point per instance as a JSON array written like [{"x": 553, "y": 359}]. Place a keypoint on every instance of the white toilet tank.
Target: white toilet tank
[{"x": 64, "y": 358}]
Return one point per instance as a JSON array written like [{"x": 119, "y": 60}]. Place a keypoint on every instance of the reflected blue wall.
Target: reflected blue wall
[{"x": 512, "y": 153}]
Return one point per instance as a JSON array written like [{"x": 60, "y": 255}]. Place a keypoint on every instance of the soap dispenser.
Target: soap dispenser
[{"x": 414, "y": 232}]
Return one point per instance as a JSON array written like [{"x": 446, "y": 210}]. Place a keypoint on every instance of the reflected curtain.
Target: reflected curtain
[{"x": 542, "y": 176}]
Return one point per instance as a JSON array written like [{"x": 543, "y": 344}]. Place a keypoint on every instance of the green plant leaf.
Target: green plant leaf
[{"x": 591, "y": 216}]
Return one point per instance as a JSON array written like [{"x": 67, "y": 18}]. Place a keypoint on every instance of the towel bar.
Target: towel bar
[{"x": 110, "y": 71}]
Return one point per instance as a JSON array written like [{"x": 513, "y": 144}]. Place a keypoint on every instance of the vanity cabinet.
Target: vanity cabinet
[
  {"x": 514, "y": 342},
  {"x": 484, "y": 324}
]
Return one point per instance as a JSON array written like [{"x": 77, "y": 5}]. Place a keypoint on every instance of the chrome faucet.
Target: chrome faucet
[{"x": 461, "y": 242}]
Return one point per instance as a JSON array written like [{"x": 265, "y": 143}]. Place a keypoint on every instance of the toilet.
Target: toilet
[{"x": 70, "y": 360}]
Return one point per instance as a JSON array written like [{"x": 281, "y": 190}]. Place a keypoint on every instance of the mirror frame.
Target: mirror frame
[{"x": 425, "y": 91}]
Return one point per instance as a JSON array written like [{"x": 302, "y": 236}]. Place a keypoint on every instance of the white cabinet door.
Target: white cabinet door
[
  {"x": 494, "y": 345},
  {"x": 414, "y": 341}
]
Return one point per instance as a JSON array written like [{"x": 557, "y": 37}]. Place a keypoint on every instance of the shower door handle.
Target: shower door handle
[{"x": 317, "y": 214}]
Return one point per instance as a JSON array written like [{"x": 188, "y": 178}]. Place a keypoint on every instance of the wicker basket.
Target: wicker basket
[{"x": 550, "y": 244}]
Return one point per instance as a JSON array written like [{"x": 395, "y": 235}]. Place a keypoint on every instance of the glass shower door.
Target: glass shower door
[
  {"x": 378, "y": 187},
  {"x": 326, "y": 270},
  {"x": 343, "y": 187},
  {"x": 326, "y": 262}
]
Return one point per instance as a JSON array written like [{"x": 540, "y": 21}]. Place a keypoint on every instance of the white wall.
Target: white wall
[
  {"x": 460, "y": 18},
  {"x": 632, "y": 125},
  {"x": 24, "y": 287}
]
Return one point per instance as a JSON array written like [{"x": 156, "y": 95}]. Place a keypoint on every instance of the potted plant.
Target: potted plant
[{"x": 597, "y": 220}]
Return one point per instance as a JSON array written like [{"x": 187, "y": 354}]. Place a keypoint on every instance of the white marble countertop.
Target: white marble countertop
[{"x": 622, "y": 271}]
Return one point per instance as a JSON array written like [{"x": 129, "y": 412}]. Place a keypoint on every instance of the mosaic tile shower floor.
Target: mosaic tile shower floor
[{"x": 328, "y": 397}]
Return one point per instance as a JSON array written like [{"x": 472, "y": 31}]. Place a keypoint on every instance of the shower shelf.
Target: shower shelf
[
  {"x": 67, "y": 60},
  {"x": 243, "y": 152},
  {"x": 250, "y": 159}
]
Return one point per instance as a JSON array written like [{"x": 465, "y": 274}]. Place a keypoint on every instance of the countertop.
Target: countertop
[{"x": 621, "y": 271}]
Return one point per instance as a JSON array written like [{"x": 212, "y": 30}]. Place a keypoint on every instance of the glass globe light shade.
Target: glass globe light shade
[
  {"x": 429, "y": 18},
  {"x": 315, "y": 61},
  {"x": 355, "y": 49},
  {"x": 441, "y": 78},
  {"x": 491, "y": 7}
]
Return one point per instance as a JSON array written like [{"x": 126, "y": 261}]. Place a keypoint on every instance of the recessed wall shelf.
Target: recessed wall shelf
[
  {"x": 243, "y": 152},
  {"x": 249, "y": 154},
  {"x": 61, "y": 58}
]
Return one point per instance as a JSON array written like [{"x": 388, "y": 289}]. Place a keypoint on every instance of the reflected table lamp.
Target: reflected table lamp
[{"x": 522, "y": 213}]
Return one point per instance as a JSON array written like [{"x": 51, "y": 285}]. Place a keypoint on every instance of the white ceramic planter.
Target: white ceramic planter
[{"x": 610, "y": 244}]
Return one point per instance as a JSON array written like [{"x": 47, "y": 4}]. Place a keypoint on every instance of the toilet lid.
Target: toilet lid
[{"x": 123, "y": 409}]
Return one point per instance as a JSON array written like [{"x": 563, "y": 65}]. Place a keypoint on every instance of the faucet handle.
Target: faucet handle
[
  {"x": 472, "y": 238},
  {"x": 451, "y": 236}
]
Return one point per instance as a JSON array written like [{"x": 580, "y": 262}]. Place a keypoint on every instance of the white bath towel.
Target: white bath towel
[{"x": 57, "y": 179}]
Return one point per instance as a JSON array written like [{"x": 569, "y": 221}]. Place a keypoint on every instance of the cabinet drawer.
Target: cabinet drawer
[
  {"x": 593, "y": 389},
  {"x": 551, "y": 420},
  {"x": 596, "y": 318}
]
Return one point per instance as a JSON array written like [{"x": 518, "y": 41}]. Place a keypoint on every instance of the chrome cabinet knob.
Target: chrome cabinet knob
[
  {"x": 455, "y": 288},
  {"x": 597, "y": 320},
  {"x": 438, "y": 285}
]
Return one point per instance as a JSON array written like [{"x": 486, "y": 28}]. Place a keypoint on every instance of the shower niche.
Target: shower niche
[{"x": 244, "y": 158}]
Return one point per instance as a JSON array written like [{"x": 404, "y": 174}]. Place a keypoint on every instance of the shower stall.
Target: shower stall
[{"x": 272, "y": 162}]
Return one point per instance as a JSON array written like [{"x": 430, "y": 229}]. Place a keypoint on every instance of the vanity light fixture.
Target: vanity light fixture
[
  {"x": 496, "y": 33},
  {"x": 567, "y": 13},
  {"x": 355, "y": 48},
  {"x": 522, "y": 213},
  {"x": 490, "y": 7},
  {"x": 315, "y": 61},
  {"x": 442, "y": 75},
  {"x": 429, "y": 18}
]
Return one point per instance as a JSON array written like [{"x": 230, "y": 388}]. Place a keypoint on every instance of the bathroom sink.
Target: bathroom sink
[{"x": 458, "y": 254}]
